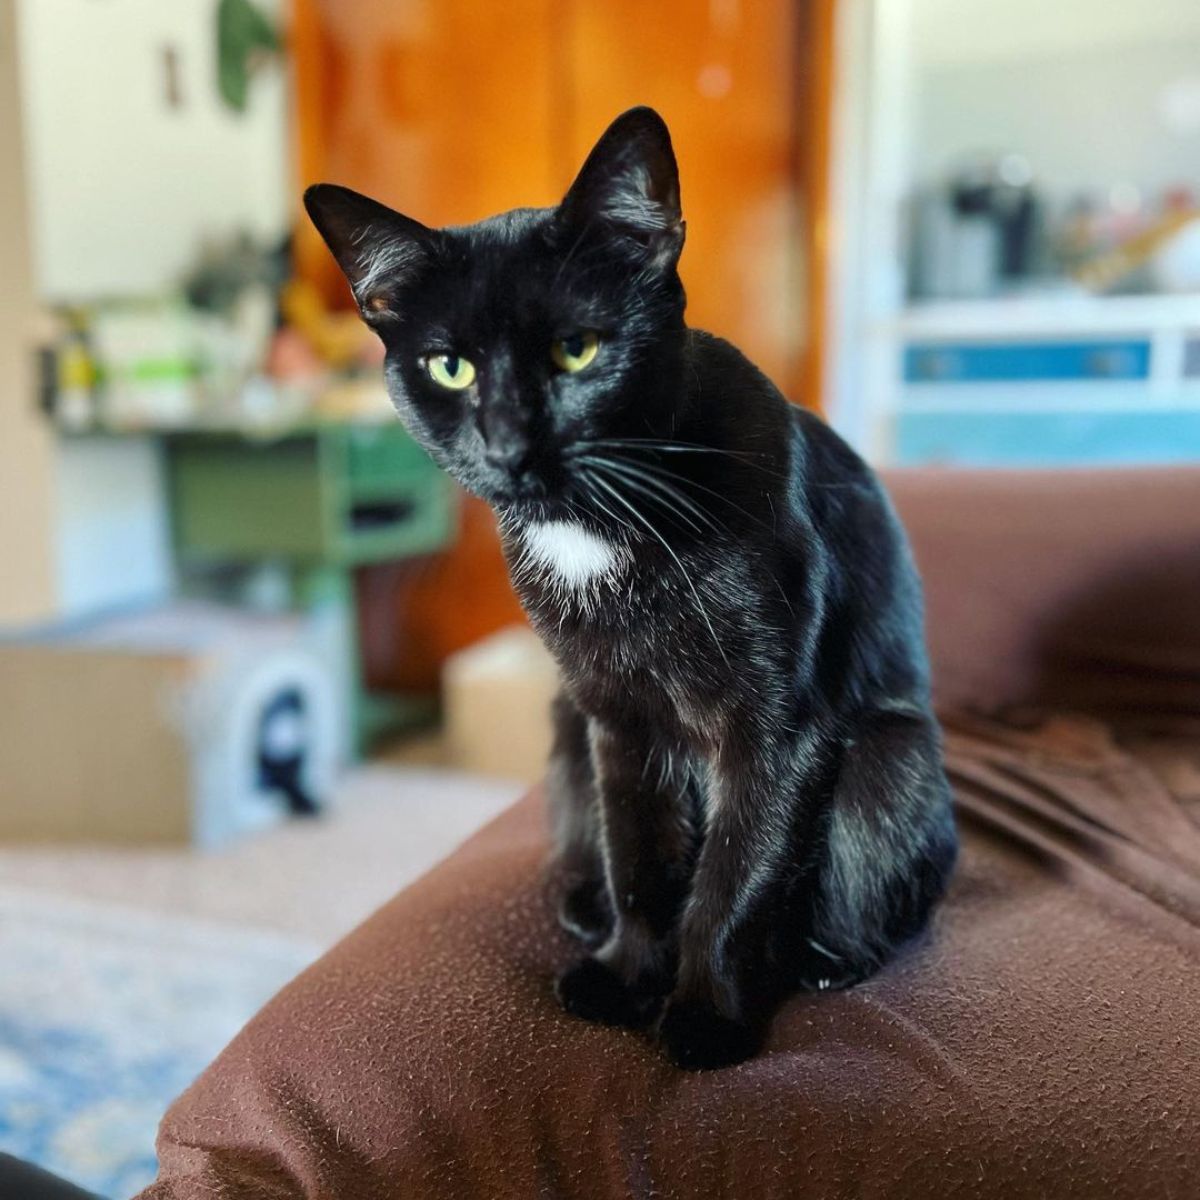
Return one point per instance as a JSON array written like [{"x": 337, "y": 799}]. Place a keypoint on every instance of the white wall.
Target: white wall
[
  {"x": 123, "y": 186},
  {"x": 1092, "y": 92},
  {"x": 113, "y": 544},
  {"x": 958, "y": 32},
  {"x": 1085, "y": 119}
]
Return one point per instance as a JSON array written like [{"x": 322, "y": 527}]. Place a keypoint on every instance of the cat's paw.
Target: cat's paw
[
  {"x": 591, "y": 991},
  {"x": 831, "y": 981},
  {"x": 584, "y": 912},
  {"x": 698, "y": 1038}
]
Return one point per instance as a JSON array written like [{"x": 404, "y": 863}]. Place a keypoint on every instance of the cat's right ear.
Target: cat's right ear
[{"x": 377, "y": 248}]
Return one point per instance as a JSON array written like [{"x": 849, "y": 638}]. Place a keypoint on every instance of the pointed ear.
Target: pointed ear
[
  {"x": 377, "y": 248},
  {"x": 630, "y": 182}
]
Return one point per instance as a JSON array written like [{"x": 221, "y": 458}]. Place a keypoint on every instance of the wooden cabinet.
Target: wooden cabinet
[
  {"x": 331, "y": 503},
  {"x": 342, "y": 495},
  {"x": 454, "y": 110}
]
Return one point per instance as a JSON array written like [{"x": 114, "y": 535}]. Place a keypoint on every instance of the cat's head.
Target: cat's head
[{"x": 515, "y": 344}]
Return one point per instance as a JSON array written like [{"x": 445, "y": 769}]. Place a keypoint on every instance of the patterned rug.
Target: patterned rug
[{"x": 107, "y": 1014}]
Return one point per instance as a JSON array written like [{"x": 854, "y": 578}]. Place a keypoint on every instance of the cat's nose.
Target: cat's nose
[{"x": 512, "y": 455}]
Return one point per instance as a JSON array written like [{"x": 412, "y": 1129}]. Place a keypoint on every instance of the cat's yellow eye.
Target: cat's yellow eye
[
  {"x": 575, "y": 351},
  {"x": 451, "y": 371}
]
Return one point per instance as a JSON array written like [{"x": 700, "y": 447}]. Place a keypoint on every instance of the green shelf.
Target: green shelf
[
  {"x": 324, "y": 500},
  {"x": 339, "y": 495}
]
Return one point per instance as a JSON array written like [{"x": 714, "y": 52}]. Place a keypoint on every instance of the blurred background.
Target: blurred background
[{"x": 259, "y": 662}]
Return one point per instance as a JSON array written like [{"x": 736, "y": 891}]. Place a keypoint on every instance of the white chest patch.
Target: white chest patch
[{"x": 572, "y": 554}]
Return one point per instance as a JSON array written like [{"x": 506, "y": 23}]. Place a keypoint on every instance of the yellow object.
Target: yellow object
[
  {"x": 338, "y": 338},
  {"x": 1108, "y": 269},
  {"x": 575, "y": 352},
  {"x": 451, "y": 371}
]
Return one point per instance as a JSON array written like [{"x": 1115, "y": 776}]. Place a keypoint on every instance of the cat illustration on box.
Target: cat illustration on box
[{"x": 746, "y": 779}]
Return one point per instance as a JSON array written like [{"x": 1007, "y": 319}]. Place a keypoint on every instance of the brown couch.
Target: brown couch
[{"x": 1042, "y": 1041}]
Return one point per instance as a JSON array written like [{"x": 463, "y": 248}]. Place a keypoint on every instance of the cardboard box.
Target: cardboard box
[
  {"x": 497, "y": 696},
  {"x": 149, "y": 727}
]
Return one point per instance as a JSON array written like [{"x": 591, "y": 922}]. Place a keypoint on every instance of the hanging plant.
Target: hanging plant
[{"x": 246, "y": 39}]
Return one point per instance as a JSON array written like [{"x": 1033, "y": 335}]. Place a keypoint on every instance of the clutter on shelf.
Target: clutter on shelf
[
  {"x": 989, "y": 228},
  {"x": 237, "y": 343}
]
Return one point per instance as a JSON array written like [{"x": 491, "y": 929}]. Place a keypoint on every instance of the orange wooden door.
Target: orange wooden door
[
  {"x": 443, "y": 110},
  {"x": 454, "y": 109},
  {"x": 440, "y": 108},
  {"x": 722, "y": 74}
]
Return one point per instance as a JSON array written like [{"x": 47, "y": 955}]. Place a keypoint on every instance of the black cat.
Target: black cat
[{"x": 746, "y": 775}]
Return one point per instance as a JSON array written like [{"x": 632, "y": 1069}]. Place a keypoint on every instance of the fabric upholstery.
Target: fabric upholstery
[
  {"x": 1043, "y": 1040},
  {"x": 1073, "y": 589}
]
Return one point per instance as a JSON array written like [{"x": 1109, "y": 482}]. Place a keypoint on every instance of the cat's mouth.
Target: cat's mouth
[
  {"x": 541, "y": 487},
  {"x": 539, "y": 499},
  {"x": 526, "y": 496},
  {"x": 529, "y": 512}
]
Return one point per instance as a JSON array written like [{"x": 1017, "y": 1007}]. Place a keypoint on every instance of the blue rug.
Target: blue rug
[{"x": 106, "y": 1015}]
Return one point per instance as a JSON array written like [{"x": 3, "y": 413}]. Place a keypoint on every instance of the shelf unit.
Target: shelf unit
[
  {"x": 321, "y": 500},
  {"x": 1061, "y": 381},
  {"x": 1037, "y": 380}
]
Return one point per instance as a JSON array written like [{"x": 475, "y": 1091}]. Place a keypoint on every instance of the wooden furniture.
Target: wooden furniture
[
  {"x": 457, "y": 110},
  {"x": 336, "y": 495},
  {"x": 322, "y": 500}
]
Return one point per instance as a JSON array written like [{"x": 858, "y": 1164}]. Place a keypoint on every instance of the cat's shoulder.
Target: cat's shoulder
[
  {"x": 715, "y": 355},
  {"x": 719, "y": 362},
  {"x": 722, "y": 381}
]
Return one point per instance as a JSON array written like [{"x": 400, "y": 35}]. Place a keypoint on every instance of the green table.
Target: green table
[{"x": 321, "y": 499}]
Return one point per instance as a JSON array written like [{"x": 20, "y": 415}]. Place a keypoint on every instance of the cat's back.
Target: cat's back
[
  {"x": 829, "y": 491},
  {"x": 734, "y": 404},
  {"x": 719, "y": 368},
  {"x": 873, "y": 591}
]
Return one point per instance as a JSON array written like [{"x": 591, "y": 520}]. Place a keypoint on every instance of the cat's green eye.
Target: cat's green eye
[
  {"x": 574, "y": 352},
  {"x": 451, "y": 371}
]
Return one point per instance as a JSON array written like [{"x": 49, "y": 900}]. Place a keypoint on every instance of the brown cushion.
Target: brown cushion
[
  {"x": 1042, "y": 1041},
  {"x": 1077, "y": 589}
]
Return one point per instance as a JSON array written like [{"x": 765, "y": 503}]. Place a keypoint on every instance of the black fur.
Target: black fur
[{"x": 746, "y": 777}]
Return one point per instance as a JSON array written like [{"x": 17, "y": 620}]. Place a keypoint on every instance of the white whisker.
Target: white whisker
[
  {"x": 633, "y": 511},
  {"x": 666, "y": 496},
  {"x": 653, "y": 474}
]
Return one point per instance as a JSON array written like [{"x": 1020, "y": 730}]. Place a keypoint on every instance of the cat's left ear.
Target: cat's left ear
[
  {"x": 630, "y": 183},
  {"x": 377, "y": 248}
]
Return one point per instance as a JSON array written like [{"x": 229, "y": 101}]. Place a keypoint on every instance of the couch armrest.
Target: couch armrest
[{"x": 1072, "y": 588}]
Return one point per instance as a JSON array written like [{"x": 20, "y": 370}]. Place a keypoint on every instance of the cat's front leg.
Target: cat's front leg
[
  {"x": 647, "y": 840},
  {"x": 726, "y": 988},
  {"x": 584, "y": 910}
]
